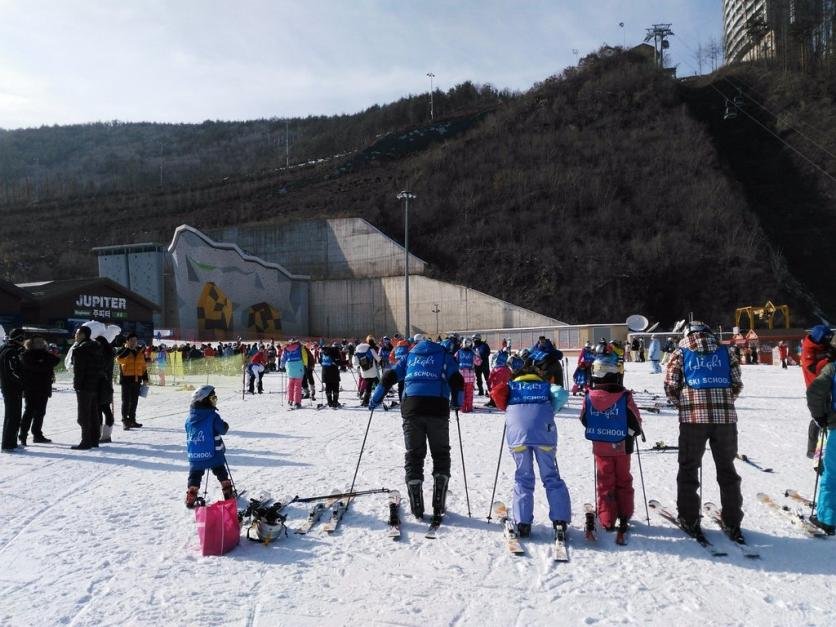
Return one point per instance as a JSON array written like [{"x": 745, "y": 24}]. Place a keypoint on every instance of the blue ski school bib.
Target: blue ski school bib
[
  {"x": 705, "y": 371},
  {"x": 608, "y": 425}
]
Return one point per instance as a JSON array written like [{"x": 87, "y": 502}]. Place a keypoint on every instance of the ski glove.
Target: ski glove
[
  {"x": 821, "y": 421},
  {"x": 377, "y": 397}
]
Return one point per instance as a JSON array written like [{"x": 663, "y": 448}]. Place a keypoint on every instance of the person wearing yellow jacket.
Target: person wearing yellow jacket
[{"x": 133, "y": 373}]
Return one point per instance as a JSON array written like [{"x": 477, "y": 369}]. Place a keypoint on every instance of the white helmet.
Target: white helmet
[
  {"x": 419, "y": 337},
  {"x": 202, "y": 393}
]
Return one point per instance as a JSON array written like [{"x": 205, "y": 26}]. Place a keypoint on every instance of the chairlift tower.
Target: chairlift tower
[{"x": 659, "y": 34}]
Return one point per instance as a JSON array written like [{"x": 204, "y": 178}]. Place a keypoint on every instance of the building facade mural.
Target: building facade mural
[{"x": 222, "y": 293}]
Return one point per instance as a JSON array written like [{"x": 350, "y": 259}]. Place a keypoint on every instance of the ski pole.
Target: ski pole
[
  {"x": 822, "y": 441},
  {"x": 641, "y": 474},
  {"x": 243, "y": 383},
  {"x": 310, "y": 499},
  {"x": 464, "y": 470},
  {"x": 363, "y": 446},
  {"x": 496, "y": 476},
  {"x": 700, "y": 488},
  {"x": 231, "y": 480}
]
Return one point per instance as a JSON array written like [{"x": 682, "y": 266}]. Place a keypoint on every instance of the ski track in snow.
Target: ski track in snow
[{"x": 102, "y": 537}]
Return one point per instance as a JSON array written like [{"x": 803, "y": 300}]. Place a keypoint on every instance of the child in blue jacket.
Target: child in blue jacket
[
  {"x": 530, "y": 403},
  {"x": 204, "y": 445}
]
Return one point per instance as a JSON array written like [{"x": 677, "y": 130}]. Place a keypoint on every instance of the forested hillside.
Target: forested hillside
[{"x": 603, "y": 191}]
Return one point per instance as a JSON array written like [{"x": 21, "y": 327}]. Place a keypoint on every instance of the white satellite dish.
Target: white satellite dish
[{"x": 637, "y": 323}]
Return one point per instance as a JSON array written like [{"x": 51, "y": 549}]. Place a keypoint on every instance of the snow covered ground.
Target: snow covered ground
[{"x": 102, "y": 537}]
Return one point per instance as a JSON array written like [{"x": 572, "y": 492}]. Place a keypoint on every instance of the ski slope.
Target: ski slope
[{"x": 102, "y": 537}]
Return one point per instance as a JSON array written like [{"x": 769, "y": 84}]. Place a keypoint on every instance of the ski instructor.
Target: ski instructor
[
  {"x": 703, "y": 380},
  {"x": 431, "y": 378}
]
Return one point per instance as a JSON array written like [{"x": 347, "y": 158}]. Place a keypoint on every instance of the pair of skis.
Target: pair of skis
[
  {"x": 560, "y": 553},
  {"x": 797, "y": 519},
  {"x": 715, "y": 515},
  {"x": 337, "y": 505}
]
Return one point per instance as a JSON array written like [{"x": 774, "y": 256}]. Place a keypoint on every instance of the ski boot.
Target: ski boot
[
  {"x": 226, "y": 488},
  {"x": 693, "y": 529},
  {"x": 415, "y": 489},
  {"x": 440, "y": 495},
  {"x": 828, "y": 529},
  {"x": 191, "y": 496},
  {"x": 621, "y": 535},
  {"x": 524, "y": 530},
  {"x": 40, "y": 438},
  {"x": 106, "y": 435}
]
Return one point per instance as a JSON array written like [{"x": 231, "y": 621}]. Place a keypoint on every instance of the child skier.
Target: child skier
[
  {"x": 293, "y": 361},
  {"x": 531, "y": 433},
  {"x": 331, "y": 359},
  {"x": 467, "y": 359},
  {"x": 204, "y": 445},
  {"x": 612, "y": 421}
]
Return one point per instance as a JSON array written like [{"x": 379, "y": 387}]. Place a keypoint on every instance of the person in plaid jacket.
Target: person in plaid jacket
[{"x": 703, "y": 380}]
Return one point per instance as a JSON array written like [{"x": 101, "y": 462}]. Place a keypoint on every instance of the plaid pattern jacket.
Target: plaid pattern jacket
[{"x": 701, "y": 406}]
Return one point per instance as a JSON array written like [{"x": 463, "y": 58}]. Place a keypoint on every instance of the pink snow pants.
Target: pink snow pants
[{"x": 294, "y": 391}]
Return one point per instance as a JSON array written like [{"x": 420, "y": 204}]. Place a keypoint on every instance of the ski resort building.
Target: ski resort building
[{"x": 328, "y": 278}]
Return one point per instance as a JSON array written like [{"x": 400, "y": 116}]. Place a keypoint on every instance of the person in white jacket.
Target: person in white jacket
[{"x": 366, "y": 360}]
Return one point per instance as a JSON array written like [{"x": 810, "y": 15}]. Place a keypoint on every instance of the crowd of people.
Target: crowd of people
[{"x": 702, "y": 380}]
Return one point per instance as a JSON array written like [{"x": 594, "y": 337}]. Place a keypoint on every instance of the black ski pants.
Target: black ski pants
[
  {"x": 88, "y": 416},
  {"x": 33, "y": 415},
  {"x": 483, "y": 370},
  {"x": 331, "y": 379},
  {"x": 13, "y": 405},
  {"x": 196, "y": 474},
  {"x": 417, "y": 431},
  {"x": 130, "y": 399},
  {"x": 723, "y": 441},
  {"x": 251, "y": 376}
]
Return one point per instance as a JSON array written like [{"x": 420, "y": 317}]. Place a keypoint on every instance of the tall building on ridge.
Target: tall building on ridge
[{"x": 791, "y": 32}]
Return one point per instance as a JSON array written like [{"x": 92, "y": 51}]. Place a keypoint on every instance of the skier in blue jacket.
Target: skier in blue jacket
[
  {"x": 530, "y": 403},
  {"x": 204, "y": 445},
  {"x": 433, "y": 384}
]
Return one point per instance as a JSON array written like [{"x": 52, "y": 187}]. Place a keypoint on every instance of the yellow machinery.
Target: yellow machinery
[{"x": 767, "y": 312}]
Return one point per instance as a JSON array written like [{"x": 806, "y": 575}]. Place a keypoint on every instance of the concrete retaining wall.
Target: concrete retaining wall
[
  {"x": 361, "y": 306},
  {"x": 342, "y": 248}
]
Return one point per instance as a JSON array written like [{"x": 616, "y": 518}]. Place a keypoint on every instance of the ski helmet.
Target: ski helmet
[
  {"x": 204, "y": 392},
  {"x": 604, "y": 365},
  {"x": 419, "y": 337},
  {"x": 821, "y": 334},
  {"x": 695, "y": 326},
  {"x": 477, "y": 337},
  {"x": 468, "y": 343}
]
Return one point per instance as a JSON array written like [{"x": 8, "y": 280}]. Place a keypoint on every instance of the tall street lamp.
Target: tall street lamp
[
  {"x": 406, "y": 197},
  {"x": 431, "y": 76},
  {"x": 435, "y": 310}
]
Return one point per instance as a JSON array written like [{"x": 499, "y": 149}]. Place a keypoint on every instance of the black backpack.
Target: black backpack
[{"x": 365, "y": 360}]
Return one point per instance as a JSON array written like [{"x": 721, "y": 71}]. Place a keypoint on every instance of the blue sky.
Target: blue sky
[{"x": 68, "y": 61}]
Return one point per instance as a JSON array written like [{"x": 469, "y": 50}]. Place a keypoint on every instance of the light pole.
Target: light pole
[
  {"x": 406, "y": 197},
  {"x": 432, "y": 113},
  {"x": 435, "y": 310}
]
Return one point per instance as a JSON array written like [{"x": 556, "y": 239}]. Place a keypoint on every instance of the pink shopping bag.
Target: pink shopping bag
[{"x": 217, "y": 527}]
